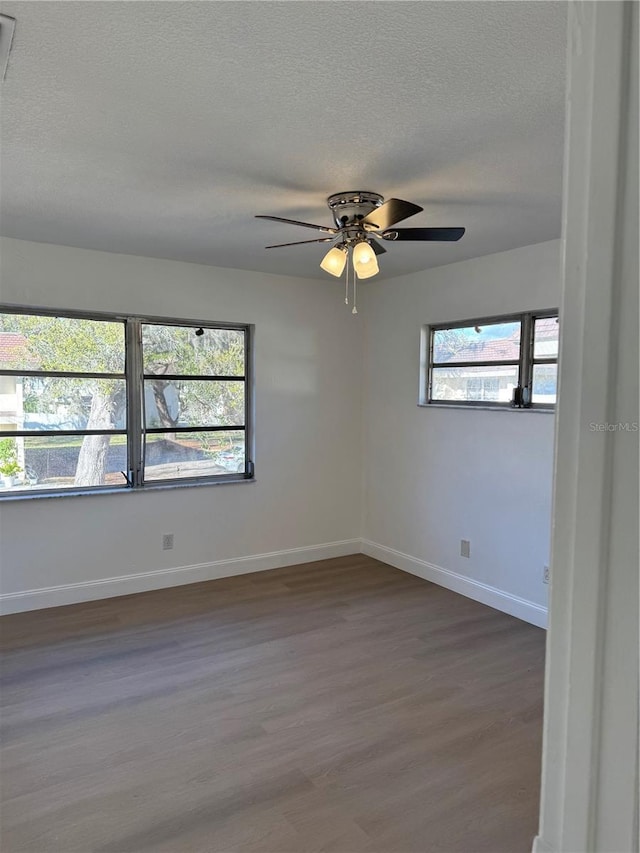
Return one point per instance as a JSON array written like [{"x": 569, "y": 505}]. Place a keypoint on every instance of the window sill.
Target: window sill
[
  {"x": 124, "y": 490},
  {"x": 546, "y": 410}
]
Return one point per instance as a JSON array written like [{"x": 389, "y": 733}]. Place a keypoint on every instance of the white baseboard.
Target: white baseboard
[
  {"x": 541, "y": 846},
  {"x": 497, "y": 598},
  {"x": 72, "y": 593},
  {"x": 54, "y": 596}
]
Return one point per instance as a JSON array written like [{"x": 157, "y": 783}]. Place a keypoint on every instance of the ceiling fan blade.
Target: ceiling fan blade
[
  {"x": 377, "y": 248},
  {"x": 303, "y": 224},
  {"x": 433, "y": 234},
  {"x": 300, "y": 242},
  {"x": 392, "y": 211}
]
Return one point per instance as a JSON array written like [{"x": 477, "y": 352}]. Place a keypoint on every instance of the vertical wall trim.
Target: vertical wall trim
[{"x": 596, "y": 97}]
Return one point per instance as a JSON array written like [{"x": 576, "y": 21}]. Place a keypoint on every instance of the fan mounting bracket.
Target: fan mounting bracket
[{"x": 348, "y": 208}]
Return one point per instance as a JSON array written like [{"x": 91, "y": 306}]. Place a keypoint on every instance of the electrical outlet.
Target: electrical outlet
[
  {"x": 465, "y": 548},
  {"x": 546, "y": 574},
  {"x": 167, "y": 541}
]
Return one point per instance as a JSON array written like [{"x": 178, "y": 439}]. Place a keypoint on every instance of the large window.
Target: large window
[
  {"x": 499, "y": 362},
  {"x": 121, "y": 402}
]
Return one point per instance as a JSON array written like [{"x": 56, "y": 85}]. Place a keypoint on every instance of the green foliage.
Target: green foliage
[
  {"x": 8, "y": 450},
  {"x": 10, "y": 469},
  {"x": 65, "y": 343},
  {"x": 451, "y": 342},
  {"x": 9, "y": 457},
  {"x": 178, "y": 350}
]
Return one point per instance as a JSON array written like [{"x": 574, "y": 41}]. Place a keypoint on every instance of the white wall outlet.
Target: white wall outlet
[
  {"x": 167, "y": 541},
  {"x": 546, "y": 574},
  {"x": 465, "y": 548}
]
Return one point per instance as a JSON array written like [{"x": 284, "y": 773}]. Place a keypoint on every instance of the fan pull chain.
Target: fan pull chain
[
  {"x": 354, "y": 310},
  {"x": 346, "y": 281}
]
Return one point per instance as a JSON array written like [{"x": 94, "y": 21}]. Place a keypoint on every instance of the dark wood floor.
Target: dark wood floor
[{"x": 339, "y": 706}]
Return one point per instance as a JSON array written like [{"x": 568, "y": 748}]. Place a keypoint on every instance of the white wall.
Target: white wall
[
  {"x": 431, "y": 477},
  {"x": 434, "y": 476},
  {"x": 308, "y": 385}
]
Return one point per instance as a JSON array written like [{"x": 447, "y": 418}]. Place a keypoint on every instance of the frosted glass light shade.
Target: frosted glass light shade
[
  {"x": 363, "y": 253},
  {"x": 334, "y": 261},
  {"x": 367, "y": 270},
  {"x": 365, "y": 262}
]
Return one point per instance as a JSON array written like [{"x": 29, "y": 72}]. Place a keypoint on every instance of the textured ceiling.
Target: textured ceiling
[{"x": 161, "y": 128}]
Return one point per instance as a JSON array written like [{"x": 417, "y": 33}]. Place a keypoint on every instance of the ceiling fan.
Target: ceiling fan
[{"x": 362, "y": 220}]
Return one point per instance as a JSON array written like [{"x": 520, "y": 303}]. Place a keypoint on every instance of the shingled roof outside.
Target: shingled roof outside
[
  {"x": 14, "y": 351},
  {"x": 508, "y": 349}
]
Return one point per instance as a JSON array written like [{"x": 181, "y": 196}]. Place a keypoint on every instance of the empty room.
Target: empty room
[{"x": 319, "y": 426}]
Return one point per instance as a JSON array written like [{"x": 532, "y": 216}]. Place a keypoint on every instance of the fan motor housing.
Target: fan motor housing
[{"x": 350, "y": 207}]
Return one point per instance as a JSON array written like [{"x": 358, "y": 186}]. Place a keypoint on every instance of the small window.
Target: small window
[
  {"x": 509, "y": 362},
  {"x": 120, "y": 402}
]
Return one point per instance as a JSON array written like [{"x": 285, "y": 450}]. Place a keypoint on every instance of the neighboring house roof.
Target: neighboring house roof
[
  {"x": 508, "y": 349},
  {"x": 504, "y": 350},
  {"x": 14, "y": 350}
]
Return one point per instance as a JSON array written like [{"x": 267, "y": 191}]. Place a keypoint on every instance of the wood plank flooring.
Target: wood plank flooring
[{"x": 338, "y": 706}]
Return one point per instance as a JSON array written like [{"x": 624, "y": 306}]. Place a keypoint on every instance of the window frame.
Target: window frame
[
  {"x": 525, "y": 362},
  {"x": 136, "y": 430}
]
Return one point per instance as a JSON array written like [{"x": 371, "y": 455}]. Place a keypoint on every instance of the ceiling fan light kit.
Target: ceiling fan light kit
[
  {"x": 363, "y": 219},
  {"x": 365, "y": 264},
  {"x": 335, "y": 260}
]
